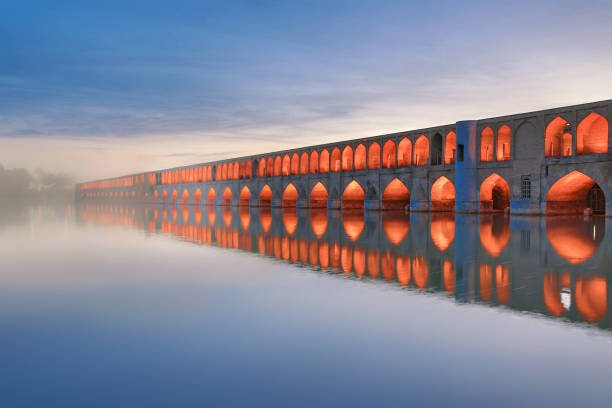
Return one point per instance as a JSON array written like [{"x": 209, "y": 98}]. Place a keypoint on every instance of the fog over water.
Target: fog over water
[{"x": 119, "y": 304}]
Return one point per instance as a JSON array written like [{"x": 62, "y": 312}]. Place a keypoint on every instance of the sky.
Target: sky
[{"x": 101, "y": 89}]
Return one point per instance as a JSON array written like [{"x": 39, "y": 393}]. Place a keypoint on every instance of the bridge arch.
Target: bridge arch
[
  {"x": 360, "y": 157},
  {"x": 396, "y": 196},
  {"x": 504, "y": 143},
  {"x": 404, "y": 153},
  {"x": 421, "y": 151},
  {"x": 557, "y": 138},
  {"x": 270, "y": 167},
  {"x": 324, "y": 161},
  {"x": 286, "y": 167},
  {"x": 388, "y": 154},
  {"x": 164, "y": 195},
  {"x": 227, "y": 196},
  {"x": 591, "y": 297},
  {"x": 262, "y": 167},
  {"x": 494, "y": 194},
  {"x": 248, "y": 170},
  {"x": 245, "y": 196},
  {"x": 278, "y": 165},
  {"x": 353, "y": 195},
  {"x": 314, "y": 162},
  {"x": 573, "y": 193},
  {"x": 290, "y": 196},
  {"x": 592, "y": 135},
  {"x": 265, "y": 196},
  {"x": 374, "y": 156},
  {"x": 304, "y": 163},
  {"x": 185, "y": 197},
  {"x": 174, "y": 196},
  {"x": 450, "y": 146},
  {"x": 442, "y": 195},
  {"x": 236, "y": 174},
  {"x": 335, "y": 165},
  {"x": 197, "y": 196},
  {"x": 486, "y": 144},
  {"x": 347, "y": 158},
  {"x": 318, "y": 196}
]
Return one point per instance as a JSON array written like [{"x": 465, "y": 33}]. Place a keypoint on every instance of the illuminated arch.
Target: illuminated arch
[
  {"x": 164, "y": 195},
  {"x": 265, "y": 196},
  {"x": 421, "y": 151},
  {"x": 374, "y": 156},
  {"x": 591, "y": 297},
  {"x": 558, "y": 141},
  {"x": 347, "y": 159},
  {"x": 404, "y": 153},
  {"x": 442, "y": 230},
  {"x": 262, "y": 167},
  {"x": 486, "y": 144},
  {"x": 494, "y": 232},
  {"x": 270, "y": 167},
  {"x": 388, "y": 154},
  {"x": 494, "y": 194},
  {"x": 245, "y": 196},
  {"x": 503, "y": 143},
  {"x": 290, "y": 196},
  {"x": 286, "y": 168},
  {"x": 314, "y": 162},
  {"x": 212, "y": 194},
  {"x": 295, "y": 164},
  {"x": 174, "y": 196},
  {"x": 304, "y": 163},
  {"x": 224, "y": 171},
  {"x": 573, "y": 193},
  {"x": 353, "y": 224},
  {"x": 248, "y": 170},
  {"x": 236, "y": 173},
  {"x": 396, "y": 196},
  {"x": 592, "y": 135},
  {"x": 575, "y": 239},
  {"x": 360, "y": 157},
  {"x": 209, "y": 173},
  {"x": 318, "y": 196},
  {"x": 443, "y": 195},
  {"x": 324, "y": 161},
  {"x": 353, "y": 196},
  {"x": 197, "y": 196},
  {"x": 278, "y": 164},
  {"x": 450, "y": 146},
  {"x": 227, "y": 196},
  {"x": 185, "y": 196},
  {"x": 335, "y": 164}
]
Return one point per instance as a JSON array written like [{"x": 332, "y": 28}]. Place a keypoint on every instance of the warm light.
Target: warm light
[
  {"x": 404, "y": 153},
  {"x": 360, "y": 157},
  {"x": 494, "y": 233},
  {"x": 353, "y": 223},
  {"x": 347, "y": 159},
  {"x": 318, "y": 222},
  {"x": 494, "y": 194},
  {"x": 442, "y": 230},
  {"x": 591, "y": 298},
  {"x": 388, "y": 154},
  {"x": 245, "y": 196},
  {"x": 485, "y": 278},
  {"x": 290, "y": 196},
  {"x": 420, "y": 271},
  {"x": 448, "y": 271},
  {"x": 318, "y": 196},
  {"x": 557, "y": 141},
  {"x": 443, "y": 195},
  {"x": 290, "y": 221},
  {"x": 450, "y": 147},
  {"x": 265, "y": 195},
  {"x": 503, "y": 143},
  {"x": 486, "y": 144},
  {"x": 572, "y": 237},
  {"x": 395, "y": 226},
  {"x": 569, "y": 194},
  {"x": 403, "y": 270},
  {"x": 396, "y": 196},
  {"x": 374, "y": 156},
  {"x": 353, "y": 196},
  {"x": 421, "y": 151}
]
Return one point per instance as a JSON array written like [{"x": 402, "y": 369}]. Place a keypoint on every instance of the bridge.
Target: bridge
[{"x": 555, "y": 161}]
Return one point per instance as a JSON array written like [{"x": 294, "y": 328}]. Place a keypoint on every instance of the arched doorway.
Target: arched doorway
[
  {"x": 421, "y": 151},
  {"x": 494, "y": 194},
  {"x": 227, "y": 196},
  {"x": 318, "y": 196},
  {"x": 396, "y": 196},
  {"x": 443, "y": 195},
  {"x": 353, "y": 196},
  {"x": 245, "y": 196},
  {"x": 573, "y": 193},
  {"x": 265, "y": 196},
  {"x": 290, "y": 196},
  {"x": 558, "y": 139}
]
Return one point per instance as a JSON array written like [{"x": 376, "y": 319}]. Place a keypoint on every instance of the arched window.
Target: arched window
[
  {"x": 236, "y": 175},
  {"x": 224, "y": 171},
  {"x": 558, "y": 139},
  {"x": 450, "y": 147},
  {"x": 277, "y": 166},
  {"x": 592, "y": 135},
  {"x": 314, "y": 162},
  {"x": 360, "y": 157},
  {"x": 494, "y": 194},
  {"x": 353, "y": 196},
  {"x": 421, "y": 151},
  {"x": 324, "y": 161},
  {"x": 290, "y": 196},
  {"x": 286, "y": 165},
  {"x": 242, "y": 170},
  {"x": 388, "y": 153},
  {"x": 227, "y": 196},
  {"x": 245, "y": 196},
  {"x": 395, "y": 196},
  {"x": 335, "y": 160},
  {"x": 248, "y": 170},
  {"x": 262, "y": 167},
  {"x": 347, "y": 159},
  {"x": 304, "y": 163},
  {"x": 404, "y": 153},
  {"x": 295, "y": 164},
  {"x": 318, "y": 196},
  {"x": 436, "y": 150},
  {"x": 503, "y": 143},
  {"x": 374, "y": 156},
  {"x": 442, "y": 195},
  {"x": 486, "y": 144}
]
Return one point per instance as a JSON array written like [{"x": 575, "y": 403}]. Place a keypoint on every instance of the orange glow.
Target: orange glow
[
  {"x": 353, "y": 223},
  {"x": 174, "y": 196},
  {"x": 286, "y": 169},
  {"x": 442, "y": 195},
  {"x": 373, "y": 264},
  {"x": 420, "y": 271},
  {"x": 236, "y": 172},
  {"x": 227, "y": 195},
  {"x": 502, "y": 283},
  {"x": 227, "y": 217},
  {"x": 592, "y": 135},
  {"x": 249, "y": 169},
  {"x": 396, "y": 196},
  {"x": 262, "y": 167},
  {"x": 265, "y": 218},
  {"x": 494, "y": 233},
  {"x": 197, "y": 196},
  {"x": 494, "y": 194},
  {"x": 552, "y": 286},
  {"x": 245, "y": 196},
  {"x": 442, "y": 230},
  {"x": 278, "y": 166},
  {"x": 324, "y": 161},
  {"x": 374, "y": 156},
  {"x": 353, "y": 196},
  {"x": 304, "y": 163},
  {"x": 503, "y": 143},
  {"x": 164, "y": 195},
  {"x": 421, "y": 151},
  {"x": 557, "y": 141},
  {"x": 313, "y": 252},
  {"x": 569, "y": 194},
  {"x": 185, "y": 215},
  {"x": 486, "y": 144},
  {"x": 335, "y": 164},
  {"x": 360, "y": 157},
  {"x": 448, "y": 271},
  {"x": 318, "y": 196},
  {"x": 290, "y": 196},
  {"x": 212, "y": 194},
  {"x": 314, "y": 162},
  {"x": 185, "y": 196},
  {"x": 450, "y": 147},
  {"x": 396, "y": 227},
  {"x": 295, "y": 164},
  {"x": 270, "y": 167},
  {"x": 245, "y": 219},
  {"x": 485, "y": 278},
  {"x": 347, "y": 159},
  {"x": 224, "y": 171},
  {"x": 387, "y": 265},
  {"x": 318, "y": 222},
  {"x": 404, "y": 153},
  {"x": 346, "y": 259},
  {"x": 265, "y": 196},
  {"x": 324, "y": 255},
  {"x": 403, "y": 270},
  {"x": 290, "y": 221},
  {"x": 591, "y": 298},
  {"x": 334, "y": 255},
  {"x": 574, "y": 239},
  {"x": 155, "y": 195},
  {"x": 388, "y": 154}
]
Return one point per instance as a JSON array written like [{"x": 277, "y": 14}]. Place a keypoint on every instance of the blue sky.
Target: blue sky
[{"x": 104, "y": 88}]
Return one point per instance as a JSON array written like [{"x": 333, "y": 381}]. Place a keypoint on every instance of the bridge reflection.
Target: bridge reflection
[{"x": 553, "y": 266}]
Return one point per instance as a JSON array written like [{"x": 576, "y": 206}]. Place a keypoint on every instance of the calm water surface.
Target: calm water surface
[{"x": 112, "y": 305}]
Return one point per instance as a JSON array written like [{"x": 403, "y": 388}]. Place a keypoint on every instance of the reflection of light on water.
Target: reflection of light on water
[
  {"x": 594, "y": 232},
  {"x": 566, "y": 298}
]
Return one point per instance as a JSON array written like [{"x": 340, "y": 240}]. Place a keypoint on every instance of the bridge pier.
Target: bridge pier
[
  {"x": 334, "y": 203},
  {"x": 419, "y": 205},
  {"x": 467, "y": 198},
  {"x": 372, "y": 205}
]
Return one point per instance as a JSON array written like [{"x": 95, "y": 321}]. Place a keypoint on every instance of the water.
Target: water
[{"x": 111, "y": 305}]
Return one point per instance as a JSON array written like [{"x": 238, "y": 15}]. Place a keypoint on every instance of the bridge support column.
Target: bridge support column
[
  {"x": 372, "y": 205},
  {"x": 254, "y": 202},
  {"x": 419, "y": 205},
  {"x": 334, "y": 203},
  {"x": 302, "y": 203},
  {"x": 275, "y": 203},
  {"x": 467, "y": 197}
]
